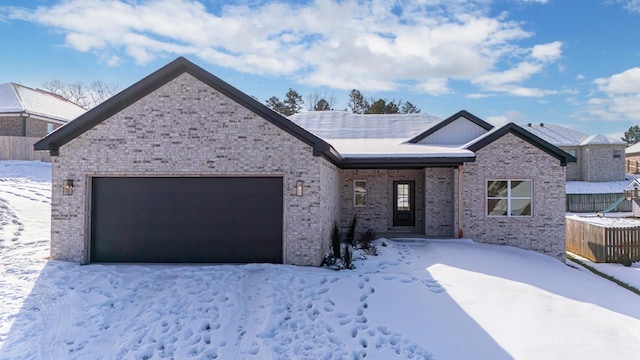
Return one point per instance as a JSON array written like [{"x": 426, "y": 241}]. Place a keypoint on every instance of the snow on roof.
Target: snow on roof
[
  {"x": 559, "y": 135},
  {"x": 345, "y": 125},
  {"x": 375, "y": 135},
  {"x": 635, "y": 148},
  {"x": 599, "y": 139},
  {"x": 15, "y": 98},
  {"x": 370, "y": 148}
]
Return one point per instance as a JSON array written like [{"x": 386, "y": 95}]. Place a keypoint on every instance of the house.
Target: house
[
  {"x": 599, "y": 157},
  {"x": 26, "y": 115},
  {"x": 632, "y": 158},
  {"x": 183, "y": 167}
]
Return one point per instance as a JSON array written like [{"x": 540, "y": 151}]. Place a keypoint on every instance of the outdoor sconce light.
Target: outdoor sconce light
[
  {"x": 299, "y": 187},
  {"x": 67, "y": 187}
]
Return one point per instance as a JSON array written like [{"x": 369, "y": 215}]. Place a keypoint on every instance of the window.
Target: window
[
  {"x": 617, "y": 154},
  {"x": 359, "y": 193},
  {"x": 509, "y": 197},
  {"x": 571, "y": 152},
  {"x": 402, "y": 197},
  {"x": 50, "y": 127}
]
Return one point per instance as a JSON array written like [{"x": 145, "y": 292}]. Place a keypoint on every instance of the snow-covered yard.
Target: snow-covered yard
[{"x": 420, "y": 298}]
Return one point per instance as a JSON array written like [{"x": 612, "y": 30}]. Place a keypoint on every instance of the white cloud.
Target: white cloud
[
  {"x": 618, "y": 97},
  {"x": 631, "y": 5},
  {"x": 340, "y": 44},
  {"x": 547, "y": 52},
  {"x": 507, "y": 117}
]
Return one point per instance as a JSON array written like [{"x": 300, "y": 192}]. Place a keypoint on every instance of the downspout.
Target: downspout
[
  {"x": 460, "y": 202},
  {"x": 24, "y": 115}
]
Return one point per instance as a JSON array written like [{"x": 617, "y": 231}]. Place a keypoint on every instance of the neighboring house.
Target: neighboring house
[
  {"x": 632, "y": 157},
  {"x": 26, "y": 115},
  {"x": 183, "y": 167},
  {"x": 600, "y": 158}
]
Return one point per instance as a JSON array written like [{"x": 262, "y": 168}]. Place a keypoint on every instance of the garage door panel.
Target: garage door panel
[{"x": 227, "y": 220}]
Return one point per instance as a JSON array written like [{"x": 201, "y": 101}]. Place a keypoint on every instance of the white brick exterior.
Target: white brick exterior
[
  {"x": 509, "y": 157},
  {"x": 378, "y": 212},
  {"x": 186, "y": 128}
]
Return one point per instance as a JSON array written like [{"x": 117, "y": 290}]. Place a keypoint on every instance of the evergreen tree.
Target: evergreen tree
[
  {"x": 293, "y": 102},
  {"x": 409, "y": 108},
  {"x": 381, "y": 106},
  {"x": 322, "y": 105},
  {"x": 632, "y": 135},
  {"x": 357, "y": 102}
]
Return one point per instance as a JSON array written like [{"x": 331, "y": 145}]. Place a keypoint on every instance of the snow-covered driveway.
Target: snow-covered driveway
[{"x": 444, "y": 299}]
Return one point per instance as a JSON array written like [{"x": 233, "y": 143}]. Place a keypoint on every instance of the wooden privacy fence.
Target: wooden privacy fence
[
  {"x": 603, "y": 244},
  {"x": 633, "y": 166},
  {"x": 596, "y": 202},
  {"x": 21, "y": 148}
]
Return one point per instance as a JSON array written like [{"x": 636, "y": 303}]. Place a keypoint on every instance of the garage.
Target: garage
[{"x": 186, "y": 219}]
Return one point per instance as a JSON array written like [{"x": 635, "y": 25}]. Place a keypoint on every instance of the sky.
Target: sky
[{"x": 573, "y": 63}]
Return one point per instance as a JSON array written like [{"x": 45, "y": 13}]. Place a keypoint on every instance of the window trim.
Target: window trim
[
  {"x": 355, "y": 204},
  {"x": 509, "y": 198},
  {"x": 617, "y": 154}
]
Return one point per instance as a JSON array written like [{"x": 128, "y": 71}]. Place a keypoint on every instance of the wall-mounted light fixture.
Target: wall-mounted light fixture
[
  {"x": 67, "y": 187},
  {"x": 299, "y": 187}
]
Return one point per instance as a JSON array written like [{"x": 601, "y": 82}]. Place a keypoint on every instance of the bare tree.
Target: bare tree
[
  {"x": 85, "y": 95},
  {"x": 321, "y": 102}
]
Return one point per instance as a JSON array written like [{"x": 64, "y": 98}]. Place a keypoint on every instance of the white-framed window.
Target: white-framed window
[
  {"x": 510, "y": 198},
  {"x": 50, "y": 127},
  {"x": 359, "y": 193}
]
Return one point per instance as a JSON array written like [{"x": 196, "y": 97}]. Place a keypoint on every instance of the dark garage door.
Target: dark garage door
[{"x": 210, "y": 220}]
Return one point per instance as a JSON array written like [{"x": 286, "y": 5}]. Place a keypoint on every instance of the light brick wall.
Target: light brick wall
[
  {"x": 512, "y": 158},
  {"x": 439, "y": 202},
  {"x": 12, "y": 126},
  {"x": 378, "y": 213},
  {"x": 574, "y": 170},
  {"x": 186, "y": 128},
  {"x": 599, "y": 165},
  {"x": 330, "y": 203}
]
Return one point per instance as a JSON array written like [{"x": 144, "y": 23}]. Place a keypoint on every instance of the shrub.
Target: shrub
[
  {"x": 625, "y": 260},
  {"x": 335, "y": 240},
  {"x": 366, "y": 242},
  {"x": 347, "y": 257},
  {"x": 351, "y": 234}
]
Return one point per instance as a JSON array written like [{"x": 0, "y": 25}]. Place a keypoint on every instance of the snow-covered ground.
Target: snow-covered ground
[
  {"x": 442, "y": 299},
  {"x": 610, "y": 187},
  {"x": 628, "y": 275},
  {"x": 617, "y": 220}
]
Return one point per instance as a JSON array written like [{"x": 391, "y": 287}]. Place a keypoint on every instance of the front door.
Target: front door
[{"x": 404, "y": 213}]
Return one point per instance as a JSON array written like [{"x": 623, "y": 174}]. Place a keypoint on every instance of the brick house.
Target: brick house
[
  {"x": 26, "y": 115},
  {"x": 599, "y": 157},
  {"x": 182, "y": 167}
]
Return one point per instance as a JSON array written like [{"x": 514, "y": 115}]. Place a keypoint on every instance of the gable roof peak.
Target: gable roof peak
[{"x": 159, "y": 78}]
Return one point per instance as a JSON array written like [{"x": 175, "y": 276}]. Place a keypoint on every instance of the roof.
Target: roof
[
  {"x": 559, "y": 135},
  {"x": 525, "y": 135},
  {"x": 16, "y": 98},
  {"x": 463, "y": 113},
  {"x": 346, "y": 139},
  {"x": 633, "y": 149},
  {"x": 347, "y": 125},
  {"x": 159, "y": 78},
  {"x": 363, "y": 138}
]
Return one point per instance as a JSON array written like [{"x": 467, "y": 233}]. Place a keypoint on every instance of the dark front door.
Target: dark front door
[
  {"x": 404, "y": 212},
  {"x": 183, "y": 220}
]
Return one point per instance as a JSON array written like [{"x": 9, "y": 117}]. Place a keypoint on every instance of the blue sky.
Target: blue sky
[{"x": 575, "y": 63}]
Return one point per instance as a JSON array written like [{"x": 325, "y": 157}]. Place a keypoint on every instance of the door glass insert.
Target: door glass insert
[{"x": 402, "y": 199}]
